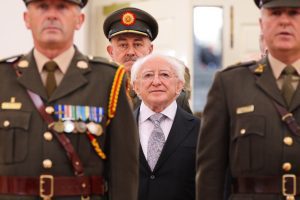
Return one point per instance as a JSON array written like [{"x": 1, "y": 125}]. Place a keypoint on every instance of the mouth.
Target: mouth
[
  {"x": 157, "y": 91},
  {"x": 52, "y": 28},
  {"x": 284, "y": 33}
]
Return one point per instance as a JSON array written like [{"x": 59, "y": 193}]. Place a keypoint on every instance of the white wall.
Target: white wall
[{"x": 15, "y": 38}]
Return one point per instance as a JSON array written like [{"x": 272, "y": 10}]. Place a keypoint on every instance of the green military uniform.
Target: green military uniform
[
  {"x": 243, "y": 132},
  {"x": 28, "y": 149},
  {"x": 249, "y": 143}
]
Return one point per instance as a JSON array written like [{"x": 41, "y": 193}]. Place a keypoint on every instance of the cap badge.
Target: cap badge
[{"x": 128, "y": 18}]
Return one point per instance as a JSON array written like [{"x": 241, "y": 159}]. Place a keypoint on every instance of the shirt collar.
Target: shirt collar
[
  {"x": 63, "y": 60},
  {"x": 146, "y": 112},
  {"x": 277, "y": 66}
]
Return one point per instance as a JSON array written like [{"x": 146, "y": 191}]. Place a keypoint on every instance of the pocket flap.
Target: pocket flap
[
  {"x": 15, "y": 119},
  {"x": 249, "y": 125}
]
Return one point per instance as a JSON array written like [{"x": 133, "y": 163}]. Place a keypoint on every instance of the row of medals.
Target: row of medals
[
  {"x": 69, "y": 123},
  {"x": 69, "y": 126}
]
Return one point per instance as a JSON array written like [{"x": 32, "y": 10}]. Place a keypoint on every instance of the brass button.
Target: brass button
[
  {"x": 287, "y": 166},
  {"x": 83, "y": 185},
  {"x": 47, "y": 163},
  {"x": 48, "y": 136},
  {"x": 288, "y": 141},
  {"x": 49, "y": 110},
  {"x": 243, "y": 131},
  {"x": 6, "y": 123}
]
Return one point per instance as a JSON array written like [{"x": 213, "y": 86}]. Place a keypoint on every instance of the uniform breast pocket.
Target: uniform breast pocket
[
  {"x": 13, "y": 136},
  {"x": 248, "y": 143}
]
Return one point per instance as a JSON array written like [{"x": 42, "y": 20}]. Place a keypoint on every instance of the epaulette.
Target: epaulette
[
  {"x": 98, "y": 59},
  {"x": 241, "y": 64},
  {"x": 114, "y": 93},
  {"x": 11, "y": 59}
]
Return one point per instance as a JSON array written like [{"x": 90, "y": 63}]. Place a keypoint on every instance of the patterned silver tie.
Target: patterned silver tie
[{"x": 156, "y": 141}]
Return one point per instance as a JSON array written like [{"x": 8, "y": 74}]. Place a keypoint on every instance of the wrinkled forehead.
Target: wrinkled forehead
[{"x": 157, "y": 64}]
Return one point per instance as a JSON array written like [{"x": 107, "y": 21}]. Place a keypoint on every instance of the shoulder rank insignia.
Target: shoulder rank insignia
[
  {"x": 82, "y": 64},
  {"x": 259, "y": 69},
  {"x": 23, "y": 63}
]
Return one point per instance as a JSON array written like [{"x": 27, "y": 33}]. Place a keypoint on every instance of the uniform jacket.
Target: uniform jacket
[
  {"x": 243, "y": 132},
  {"x": 23, "y": 147},
  {"x": 173, "y": 177}
]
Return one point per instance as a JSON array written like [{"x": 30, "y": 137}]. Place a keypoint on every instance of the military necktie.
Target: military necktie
[
  {"x": 287, "y": 87},
  {"x": 50, "y": 67},
  {"x": 156, "y": 141}
]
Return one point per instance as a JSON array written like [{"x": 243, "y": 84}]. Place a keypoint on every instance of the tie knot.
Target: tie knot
[
  {"x": 50, "y": 66},
  {"x": 289, "y": 70},
  {"x": 157, "y": 118}
]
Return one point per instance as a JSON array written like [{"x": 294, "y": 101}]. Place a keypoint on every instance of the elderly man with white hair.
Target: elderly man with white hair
[{"x": 167, "y": 133}]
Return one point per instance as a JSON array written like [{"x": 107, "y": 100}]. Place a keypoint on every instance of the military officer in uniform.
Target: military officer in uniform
[
  {"x": 250, "y": 125},
  {"x": 131, "y": 32},
  {"x": 62, "y": 130}
]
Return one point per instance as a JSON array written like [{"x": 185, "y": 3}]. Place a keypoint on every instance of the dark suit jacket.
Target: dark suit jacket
[
  {"x": 173, "y": 177},
  {"x": 242, "y": 131},
  {"x": 23, "y": 147}
]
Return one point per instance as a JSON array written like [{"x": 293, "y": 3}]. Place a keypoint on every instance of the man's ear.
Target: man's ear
[
  {"x": 26, "y": 19},
  {"x": 135, "y": 87},
  {"x": 179, "y": 87},
  {"x": 109, "y": 50},
  {"x": 151, "y": 48},
  {"x": 80, "y": 21}
]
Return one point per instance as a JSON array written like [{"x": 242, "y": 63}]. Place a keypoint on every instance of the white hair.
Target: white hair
[{"x": 176, "y": 64}]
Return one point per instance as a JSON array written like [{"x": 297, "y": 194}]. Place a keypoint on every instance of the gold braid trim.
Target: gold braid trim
[
  {"x": 114, "y": 93},
  {"x": 96, "y": 146}
]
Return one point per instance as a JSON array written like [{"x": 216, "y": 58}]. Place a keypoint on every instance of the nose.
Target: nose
[
  {"x": 284, "y": 20},
  {"x": 156, "y": 80},
  {"x": 130, "y": 51},
  {"x": 52, "y": 13}
]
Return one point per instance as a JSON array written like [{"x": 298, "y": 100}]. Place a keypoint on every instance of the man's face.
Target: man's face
[
  {"x": 126, "y": 48},
  {"x": 281, "y": 29},
  {"x": 53, "y": 22},
  {"x": 157, "y": 84}
]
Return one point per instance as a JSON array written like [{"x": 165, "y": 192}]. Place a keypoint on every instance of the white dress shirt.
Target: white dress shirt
[{"x": 146, "y": 126}]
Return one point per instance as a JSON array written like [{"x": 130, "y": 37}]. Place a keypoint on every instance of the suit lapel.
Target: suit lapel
[
  {"x": 74, "y": 77},
  {"x": 181, "y": 128},
  {"x": 30, "y": 77},
  {"x": 267, "y": 82}
]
